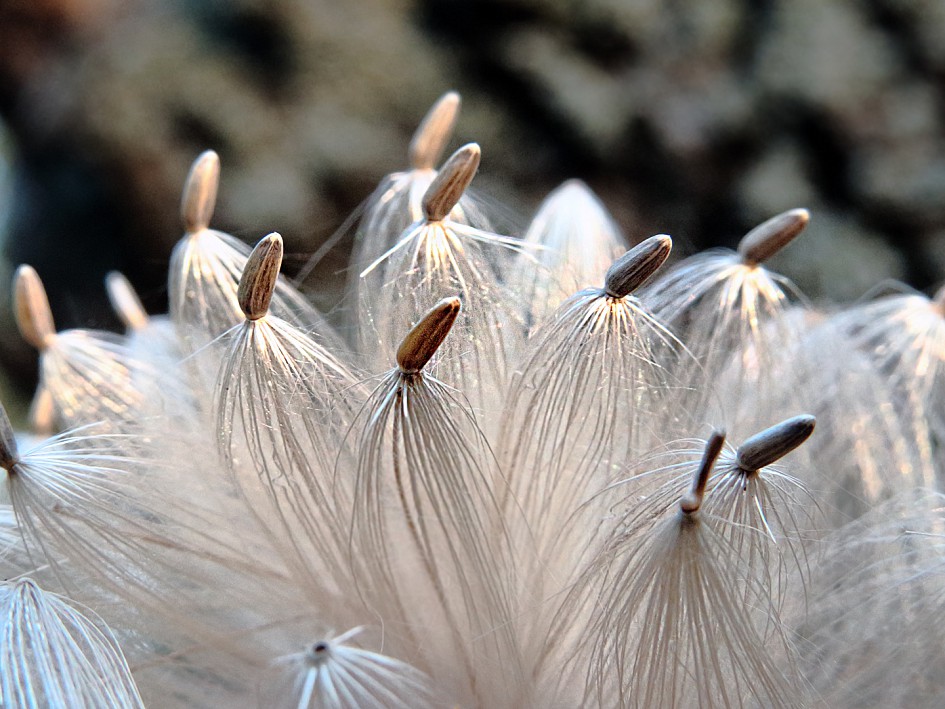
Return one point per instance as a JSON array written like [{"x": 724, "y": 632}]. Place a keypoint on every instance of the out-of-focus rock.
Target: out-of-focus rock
[
  {"x": 828, "y": 54},
  {"x": 776, "y": 182}
]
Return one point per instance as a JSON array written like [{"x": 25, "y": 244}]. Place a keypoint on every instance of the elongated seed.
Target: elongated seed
[
  {"x": 692, "y": 500},
  {"x": 200, "y": 192},
  {"x": 9, "y": 454},
  {"x": 258, "y": 282},
  {"x": 434, "y": 132},
  {"x": 769, "y": 237},
  {"x": 450, "y": 182},
  {"x": 425, "y": 338},
  {"x": 33, "y": 315},
  {"x": 42, "y": 413},
  {"x": 773, "y": 443},
  {"x": 125, "y": 301},
  {"x": 635, "y": 267}
]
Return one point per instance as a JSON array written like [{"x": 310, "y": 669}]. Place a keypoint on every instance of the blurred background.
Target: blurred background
[{"x": 698, "y": 119}]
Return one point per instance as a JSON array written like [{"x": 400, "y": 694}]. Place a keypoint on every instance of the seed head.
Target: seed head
[
  {"x": 422, "y": 342},
  {"x": 769, "y": 237},
  {"x": 258, "y": 281},
  {"x": 774, "y": 443},
  {"x": 450, "y": 182},
  {"x": 33, "y": 315},
  {"x": 434, "y": 131},
  {"x": 200, "y": 192},
  {"x": 125, "y": 301},
  {"x": 635, "y": 267},
  {"x": 692, "y": 501}
]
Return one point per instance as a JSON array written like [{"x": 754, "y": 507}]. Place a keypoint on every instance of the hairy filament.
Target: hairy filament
[{"x": 54, "y": 656}]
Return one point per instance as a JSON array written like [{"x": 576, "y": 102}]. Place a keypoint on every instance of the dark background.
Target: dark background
[{"x": 698, "y": 119}]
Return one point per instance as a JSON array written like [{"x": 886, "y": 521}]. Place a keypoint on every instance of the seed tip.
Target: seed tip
[
  {"x": 769, "y": 237},
  {"x": 635, "y": 267},
  {"x": 573, "y": 184},
  {"x": 125, "y": 301},
  {"x": 692, "y": 500},
  {"x": 451, "y": 182},
  {"x": 425, "y": 338},
  {"x": 31, "y": 305},
  {"x": 258, "y": 282},
  {"x": 774, "y": 443},
  {"x": 434, "y": 131},
  {"x": 200, "y": 192},
  {"x": 42, "y": 414}
]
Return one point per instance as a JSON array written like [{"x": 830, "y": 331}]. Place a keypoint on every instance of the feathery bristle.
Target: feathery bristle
[
  {"x": 432, "y": 261},
  {"x": 54, "y": 656},
  {"x": 507, "y": 511},
  {"x": 664, "y": 624},
  {"x": 869, "y": 633},
  {"x": 68, "y": 494},
  {"x": 571, "y": 241},
  {"x": 81, "y": 501},
  {"x": 426, "y": 485},
  {"x": 868, "y": 450},
  {"x": 332, "y": 674},
  {"x": 89, "y": 376},
  {"x": 903, "y": 336},
  {"x": 94, "y": 376},
  {"x": 733, "y": 317},
  {"x": 768, "y": 516},
  {"x": 396, "y": 204},
  {"x": 590, "y": 392},
  {"x": 283, "y": 402},
  {"x": 205, "y": 271},
  {"x": 14, "y": 559}
]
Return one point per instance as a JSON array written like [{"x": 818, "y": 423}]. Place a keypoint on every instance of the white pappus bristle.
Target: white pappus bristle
[
  {"x": 485, "y": 478},
  {"x": 54, "y": 656}
]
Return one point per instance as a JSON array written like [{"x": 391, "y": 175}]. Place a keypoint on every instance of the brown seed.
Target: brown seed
[
  {"x": 450, "y": 182},
  {"x": 258, "y": 282},
  {"x": 692, "y": 500},
  {"x": 42, "y": 414},
  {"x": 200, "y": 192},
  {"x": 769, "y": 237},
  {"x": 635, "y": 267},
  {"x": 434, "y": 132},
  {"x": 33, "y": 315},
  {"x": 774, "y": 443},
  {"x": 125, "y": 301},
  {"x": 422, "y": 342}
]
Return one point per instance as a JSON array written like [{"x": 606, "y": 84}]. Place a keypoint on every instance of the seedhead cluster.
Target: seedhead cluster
[{"x": 546, "y": 471}]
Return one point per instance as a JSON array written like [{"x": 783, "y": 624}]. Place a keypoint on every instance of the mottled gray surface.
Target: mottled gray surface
[{"x": 695, "y": 119}]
